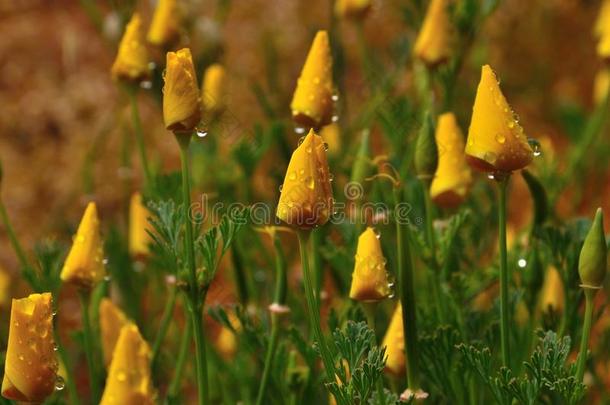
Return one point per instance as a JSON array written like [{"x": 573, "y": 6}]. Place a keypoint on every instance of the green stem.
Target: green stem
[
  {"x": 504, "y": 314},
  {"x": 13, "y": 237},
  {"x": 406, "y": 293},
  {"x": 240, "y": 275},
  {"x": 280, "y": 299},
  {"x": 92, "y": 364},
  {"x": 314, "y": 310},
  {"x": 586, "y": 329},
  {"x": 166, "y": 318},
  {"x": 139, "y": 133},
  {"x": 316, "y": 262},
  {"x": 195, "y": 298},
  {"x": 174, "y": 386},
  {"x": 431, "y": 238},
  {"x": 70, "y": 384}
]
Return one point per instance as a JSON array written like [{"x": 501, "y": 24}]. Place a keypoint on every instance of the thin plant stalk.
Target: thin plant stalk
[
  {"x": 431, "y": 239},
  {"x": 280, "y": 299},
  {"x": 406, "y": 292},
  {"x": 88, "y": 341},
  {"x": 166, "y": 319},
  {"x": 175, "y": 384},
  {"x": 139, "y": 134},
  {"x": 13, "y": 237},
  {"x": 314, "y": 309},
  {"x": 316, "y": 262},
  {"x": 504, "y": 314},
  {"x": 586, "y": 330},
  {"x": 194, "y": 297}
]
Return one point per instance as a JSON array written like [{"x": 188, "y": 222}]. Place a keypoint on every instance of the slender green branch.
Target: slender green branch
[
  {"x": 316, "y": 261},
  {"x": 586, "y": 330},
  {"x": 406, "y": 292},
  {"x": 431, "y": 238},
  {"x": 166, "y": 318},
  {"x": 13, "y": 237},
  {"x": 92, "y": 364},
  {"x": 63, "y": 355},
  {"x": 504, "y": 314},
  {"x": 139, "y": 133},
  {"x": 175, "y": 384}
]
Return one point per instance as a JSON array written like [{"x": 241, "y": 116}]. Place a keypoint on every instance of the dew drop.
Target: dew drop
[
  {"x": 201, "y": 133},
  {"x": 281, "y": 187},
  {"x": 334, "y": 118},
  {"x": 60, "y": 384},
  {"x": 535, "y": 145},
  {"x": 522, "y": 263},
  {"x": 146, "y": 84},
  {"x": 500, "y": 138},
  {"x": 335, "y": 97},
  {"x": 152, "y": 65},
  {"x": 325, "y": 146},
  {"x": 299, "y": 130},
  {"x": 491, "y": 176}
]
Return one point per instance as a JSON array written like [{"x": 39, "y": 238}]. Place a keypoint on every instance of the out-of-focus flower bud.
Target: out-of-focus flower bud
[
  {"x": 352, "y": 9},
  {"x": 602, "y": 30},
  {"x": 112, "y": 320},
  {"x": 165, "y": 26},
  {"x": 226, "y": 341},
  {"x": 552, "y": 295},
  {"x": 370, "y": 279},
  {"x": 601, "y": 86},
  {"x": 426, "y": 152},
  {"x": 306, "y": 197},
  {"x": 30, "y": 370},
  {"x": 592, "y": 264},
  {"x": 452, "y": 178},
  {"x": 84, "y": 265},
  {"x": 433, "y": 44},
  {"x": 129, "y": 380},
  {"x": 213, "y": 91},
  {"x": 5, "y": 288},
  {"x": 496, "y": 141},
  {"x": 331, "y": 134},
  {"x": 131, "y": 63},
  {"x": 139, "y": 228},
  {"x": 181, "y": 103},
  {"x": 312, "y": 103},
  {"x": 394, "y": 342}
]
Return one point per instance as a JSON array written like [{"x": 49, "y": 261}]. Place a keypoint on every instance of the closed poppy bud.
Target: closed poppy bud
[
  {"x": 84, "y": 265},
  {"x": 552, "y": 295},
  {"x": 592, "y": 263},
  {"x": 165, "y": 26},
  {"x": 394, "y": 342},
  {"x": 131, "y": 63},
  {"x": 112, "y": 320},
  {"x": 602, "y": 30},
  {"x": 129, "y": 380},
  {"x": 601, "y": 86},
  {"x": 213, "y": 90},
  {"x": 352, "y": 9},
  {"x": 426, "y": 152},
  {"x": 496, "y": 141},
  {"x": 452, "y": 178},
  {"x": 30, "y": 370},
  {"x": 139, "y": 228},
  {"x": 226, "y": 341},
  {"x": 433, "y": 44},
  {"x": 312, "y": 103},
  {"x": 306, "y": 197},
  {"x": 181, "y": 104},
  {"x": 370, "y": 279}
]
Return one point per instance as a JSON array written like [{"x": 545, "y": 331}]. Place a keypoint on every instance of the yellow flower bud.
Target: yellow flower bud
[
  {"x": 370, "y": 279},
  {"x": 84, "y": 265},
  {"x": 602, "y": 30},
  {"x": 129, "y": 380},
  {"x": 433, "y": 44},
  {"x": 306, "y": 197},
  {"x": 601, "y": 86},
  {"x": 312, "y": 104},
  {"x": 552, "y": 296},
  {"x": 5, "y": 288},
  {"x": 226, "y": 342},
  {"x": 139, "y": 238},
  {"x": 331, "y": 134},
  {"x": 112, "y": 320},
  {"x": 165, "y": 26},
  {"x": 30, "y": 370},
  {"x": 394, "y": 342},
  {"x": 131, "y": 63},
  {"x": 593, "y": 262},
  {"x": 352, "y": 9},
  {"x": 496, "y": 141},
  {"x": 181, "y": 104},
  {"x": 214, "y": 88},
  {"x": 452, "y": 178}
]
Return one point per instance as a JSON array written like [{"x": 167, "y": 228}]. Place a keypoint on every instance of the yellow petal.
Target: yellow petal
[
  {"x": 394, "y": 342},
  {"x": 496, "y": 141},
  {"x": 84, "y": 265},
  {"x": 213, "y": 90},
  {"x": 331, "y": 134},
  {"x": 433, "y": 44},
  {"x": 602, "y": 22},
  {"x": 370, "y": 279},
  {"x": 600, "y": 87},
  {"x": 131, "y": 63},
  {"x": 312, "y": 102},
  {"x": 5, "y": 288},
  {"x": 165, "y": 25},
  {"x": 181, "y": 103},
  {"x": 30, "y": 371},
  {"x": 452, "y": 178},
  {"x": 129, "y": 380},
  {"x": 139, "y": 228},
  {"x": 306, "y": 197},
  {"x": 112, "y": 320},
  {"x": 353, "y": 9},
  {"x": 551, "y": 296}
]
